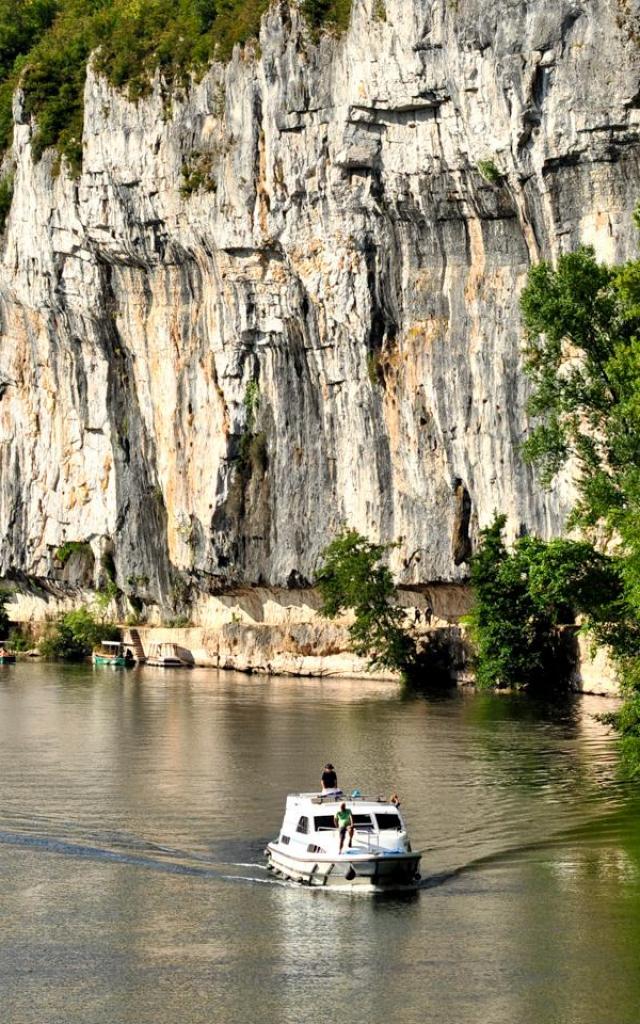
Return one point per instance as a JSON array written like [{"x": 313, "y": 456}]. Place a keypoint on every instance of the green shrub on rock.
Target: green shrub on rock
[
  {"x": 73, "y": 635},
  {"x": 333, "y": 14},
  {"x": 6, "y": 198}
]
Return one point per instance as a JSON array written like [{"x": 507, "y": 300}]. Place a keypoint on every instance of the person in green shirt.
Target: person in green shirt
[{"x": 344, "y": 823}]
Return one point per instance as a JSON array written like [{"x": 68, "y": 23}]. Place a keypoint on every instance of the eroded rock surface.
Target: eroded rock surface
[{"x": 288, "y": 299}]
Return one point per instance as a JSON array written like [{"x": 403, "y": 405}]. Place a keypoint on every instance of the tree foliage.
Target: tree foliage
[
  {"x": 523, "y": 596},
  {"x": 354, "y": 577},
  {"x": 583, "y": 324},
  {"x": 582, "y": 320},
  {"x": 45, "y": 46},
  {"x": 334, "y": 14},
  {"x": 72, "y": 636},
  {"x": 4, "y": 617}
]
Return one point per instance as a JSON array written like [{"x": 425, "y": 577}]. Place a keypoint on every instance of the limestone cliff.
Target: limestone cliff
[{"x": 288, "y": 298}]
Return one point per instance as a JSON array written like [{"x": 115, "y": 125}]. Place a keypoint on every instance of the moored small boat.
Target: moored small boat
[
  {"x": 110, "y": 652},
  {"x": 380, "y": 858},
  {"x": 7, "y": 656},
  {"x": 164, "y": 655}
]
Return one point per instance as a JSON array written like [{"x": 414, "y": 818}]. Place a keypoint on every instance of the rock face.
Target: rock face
[{"x": 288, "y": 299}]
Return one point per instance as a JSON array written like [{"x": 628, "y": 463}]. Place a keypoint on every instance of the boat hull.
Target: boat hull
[
  {"x": 7, "y": 659},
  {"x": 379, "y": 872},
  {"x": 118, "y": 662}
]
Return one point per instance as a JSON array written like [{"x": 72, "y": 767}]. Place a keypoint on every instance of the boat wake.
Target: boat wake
[
  {"x": 172, "y": 863},
  {"x": 221, "y": 864}
]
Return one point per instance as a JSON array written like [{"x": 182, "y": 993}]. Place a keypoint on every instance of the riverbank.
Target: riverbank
[{"x": 281, "y": 632}]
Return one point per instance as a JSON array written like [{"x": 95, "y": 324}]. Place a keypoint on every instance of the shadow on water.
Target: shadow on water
[{"x": 562, "y": 708}]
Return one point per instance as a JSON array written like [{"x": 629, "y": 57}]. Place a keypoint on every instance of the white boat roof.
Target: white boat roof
[
  {"x": 315, "y": 802},
  {"x": 110, "y": 643}
]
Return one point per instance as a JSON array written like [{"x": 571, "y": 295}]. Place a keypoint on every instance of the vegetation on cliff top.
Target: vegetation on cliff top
[{"x": 45, "y": 46}]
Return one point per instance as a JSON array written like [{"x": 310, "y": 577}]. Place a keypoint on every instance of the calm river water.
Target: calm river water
[{"x": 134, "y": 808}]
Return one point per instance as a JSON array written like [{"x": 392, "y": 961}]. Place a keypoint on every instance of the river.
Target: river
[{"x": 135, "y": 806}]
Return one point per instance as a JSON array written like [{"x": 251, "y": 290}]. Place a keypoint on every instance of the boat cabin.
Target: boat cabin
[
  {"x": 110, "y": 647},
  {"x": 309, "y": 824},
  {"x": 111, "y": 652}
]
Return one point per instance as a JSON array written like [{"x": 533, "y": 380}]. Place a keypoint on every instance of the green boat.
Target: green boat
[{"x": 111, "y": 652}]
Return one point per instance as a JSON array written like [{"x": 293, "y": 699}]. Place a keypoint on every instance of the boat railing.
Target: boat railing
[{"x": 366, "y": 835}]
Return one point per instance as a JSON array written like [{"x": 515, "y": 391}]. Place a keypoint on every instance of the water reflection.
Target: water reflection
[{"x": 135, "y": 806}]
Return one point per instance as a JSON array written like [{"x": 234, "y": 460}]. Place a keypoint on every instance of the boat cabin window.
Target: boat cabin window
[
  {"x": 389, "y": 822},
  {"x": 362, "y": 821},
  {"x": 323, "y": 821},
  {"x": 303, "y": 825}
]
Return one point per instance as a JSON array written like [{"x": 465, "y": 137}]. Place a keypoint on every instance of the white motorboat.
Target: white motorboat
[{"x": 380, "y": 858}]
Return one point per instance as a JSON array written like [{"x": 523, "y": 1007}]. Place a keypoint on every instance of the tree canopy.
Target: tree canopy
[
  {"x": 353, "y": 576},
  {"x": 583, "y": 355},
  {"x": 45, "y": 46},
  {"x": 523, "y": 598}
]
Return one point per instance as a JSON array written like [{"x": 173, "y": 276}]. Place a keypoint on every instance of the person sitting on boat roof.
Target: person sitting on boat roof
[
  {"x": 344, "y": 823},
  {"x": 329, "y": 779}
]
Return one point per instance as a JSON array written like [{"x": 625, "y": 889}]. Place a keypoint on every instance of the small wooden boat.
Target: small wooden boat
[
  {"x": 164, "y": 655},
  {"x": 110, "y": 652},
  {"x": 7, "y": 656}
]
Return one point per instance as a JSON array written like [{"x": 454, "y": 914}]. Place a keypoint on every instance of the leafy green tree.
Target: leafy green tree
[
  {"x": 353, "y": 577},
  {"x": 522, "y": 598},
  {"x": 583, "y": 325},
  {"x": 583, "y": 356},
  {"x": 582, "y": 321},
  {"x": 72, "y": 636}
]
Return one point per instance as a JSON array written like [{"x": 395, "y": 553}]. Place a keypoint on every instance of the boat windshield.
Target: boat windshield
[
  {"x": 389, "y": 822},
  {"x": 325, "y": 821}
]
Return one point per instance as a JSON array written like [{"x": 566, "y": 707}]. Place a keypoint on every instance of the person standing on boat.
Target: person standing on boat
[
  {"x": 344, "y": 823},
  {"x": 329, "y": 779}
]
